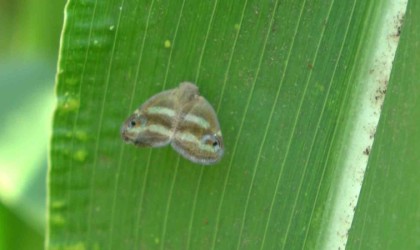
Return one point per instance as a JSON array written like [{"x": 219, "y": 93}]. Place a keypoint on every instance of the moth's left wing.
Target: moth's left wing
[{"x": 153, "y": 124}]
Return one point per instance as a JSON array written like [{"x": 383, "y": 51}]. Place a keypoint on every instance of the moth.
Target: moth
[{"x": 180, "y": 117}]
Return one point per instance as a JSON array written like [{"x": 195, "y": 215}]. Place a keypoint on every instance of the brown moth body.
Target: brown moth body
[{"x": 180, "y": 117}]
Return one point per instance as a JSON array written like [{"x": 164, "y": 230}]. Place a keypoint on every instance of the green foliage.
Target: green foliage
[
  {"x": 29, "y": 41},
  {"x": 388, "y": 213},
  {"x": 15, "y": 233},
  {"x": 279, "y": 75}
]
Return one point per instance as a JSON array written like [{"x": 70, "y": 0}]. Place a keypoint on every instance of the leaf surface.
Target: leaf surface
[{"x": 281, "y": 77}]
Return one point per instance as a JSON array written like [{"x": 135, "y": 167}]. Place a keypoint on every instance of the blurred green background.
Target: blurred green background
[{"x": 29, "y": 41}]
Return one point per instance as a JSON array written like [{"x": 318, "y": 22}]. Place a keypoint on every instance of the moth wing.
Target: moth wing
[
  {"x": 198, "y": 136},
  {"x": 153, "y": 124}
]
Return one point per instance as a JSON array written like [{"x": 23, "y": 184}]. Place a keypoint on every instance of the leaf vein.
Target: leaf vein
[{"x": 219, "y": 208}]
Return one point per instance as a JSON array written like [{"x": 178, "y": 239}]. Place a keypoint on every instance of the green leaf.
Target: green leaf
[
  {"x": 287, "y": 80},
  {"x": 388, "y": 214}
]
